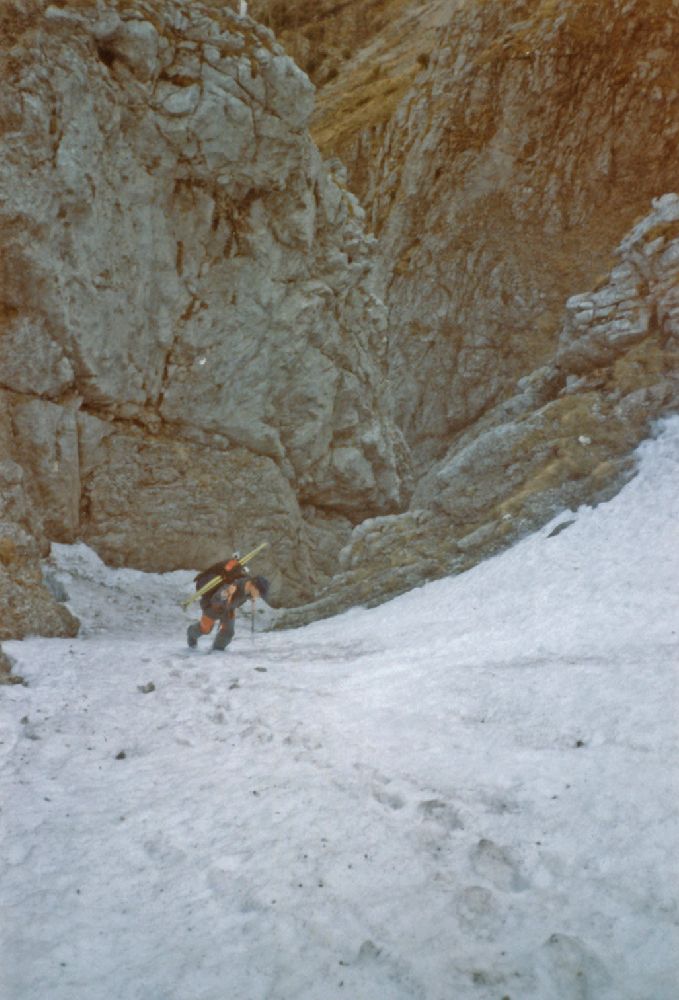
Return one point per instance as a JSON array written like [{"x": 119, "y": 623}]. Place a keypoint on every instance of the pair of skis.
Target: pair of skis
[{"x": 216, "y": 580}]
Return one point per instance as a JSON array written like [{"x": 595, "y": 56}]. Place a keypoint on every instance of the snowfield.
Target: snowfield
[{"x": 469, "y": 793}]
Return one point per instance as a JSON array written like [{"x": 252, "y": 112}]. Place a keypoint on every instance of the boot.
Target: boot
[
  {"x": 193, "y": 634},
  {"x": 221, "y": 641},
  {"x": 224, "y": 636}
]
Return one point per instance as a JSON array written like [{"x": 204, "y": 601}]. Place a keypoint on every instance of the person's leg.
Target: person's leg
[
  {"x": 193, "y": 634},
  {"x": 194, "y": 631},
  {"x": 224, "y": 633}
]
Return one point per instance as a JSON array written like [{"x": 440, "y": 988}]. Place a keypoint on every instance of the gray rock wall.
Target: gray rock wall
[
  {"x": 565, "y": 437},
  {"x": 194, "y": 350},
  {"x": 191, "y": 348}
]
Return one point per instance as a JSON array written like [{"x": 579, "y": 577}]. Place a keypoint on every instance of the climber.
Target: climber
[
  {"x": 209, "y": 580},
  {"x": 221, "y": 604}
]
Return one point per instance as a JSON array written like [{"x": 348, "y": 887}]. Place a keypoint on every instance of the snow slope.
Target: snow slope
[{"x": 469, "y": 792}]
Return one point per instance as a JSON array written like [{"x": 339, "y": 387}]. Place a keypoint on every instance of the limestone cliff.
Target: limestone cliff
[
  {"x": 201, "y": 345},
  {"x": 564, "y": 438},
  {"x": 364, "y": 56},
  {"x": 535, "y": 137},
  {"x": 524, "y": 139},
  {"x": 191, "y": 347}
]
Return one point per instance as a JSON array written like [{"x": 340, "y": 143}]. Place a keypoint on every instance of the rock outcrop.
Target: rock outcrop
[
  {"x": 191, "y": 347},
  {"x": 529, "y": 138},
  {"x": 201, "y": 346},
  {"x": 528, "y": 147},
  {"x": 565, "y": 437},
  {"x": 6, "y": 675},
  {"x": 26, "y": 604},
  {"x": 364, "y": 56}
]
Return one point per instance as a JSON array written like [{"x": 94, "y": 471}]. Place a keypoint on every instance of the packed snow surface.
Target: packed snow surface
[{"x": 469, "y": 792}]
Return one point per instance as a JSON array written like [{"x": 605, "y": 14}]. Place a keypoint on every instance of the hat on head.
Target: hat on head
[{"x": 262, "y": 585}]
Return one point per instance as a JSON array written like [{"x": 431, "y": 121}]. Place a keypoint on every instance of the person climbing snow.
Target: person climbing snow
[{"x": 221, "y": 603}]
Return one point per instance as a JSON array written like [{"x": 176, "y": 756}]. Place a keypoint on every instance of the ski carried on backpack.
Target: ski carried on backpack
[{"x": 216, "y": 580}]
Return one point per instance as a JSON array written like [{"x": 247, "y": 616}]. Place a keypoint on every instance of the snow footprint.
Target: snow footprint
[
  {"x": 220, "y": 713},
  {"x": 441, "y": 813},
  {"x": 568, "y": 969},
  {"x": 8, "y": 738},
  {"x": 435, "y": 812},
  {"x": 392, "y": 800},
  {"x": 163, "y": 851},
  {"x": 479, "y": 913},
  {"x": 257, "y": 731},
  {"x": 497, "y": 866},
  {"x": 389, "y": 974},
  {"x": 301, "y": 741}
]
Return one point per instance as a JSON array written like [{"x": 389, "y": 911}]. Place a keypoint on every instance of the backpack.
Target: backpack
[{"x": 227, "y": 571}]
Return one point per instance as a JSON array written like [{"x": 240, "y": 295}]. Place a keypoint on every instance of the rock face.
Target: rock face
[
  {"x": 200, "y": 347},
  {"x": 364, "y": 55},
  {"x": 324, "y": 37},
  {"x": 536, "y": 136},
  {"x": 191, "y": 347},
  {"x": 532, "y": 138},
  {"x": 26, "y": 605},
  {"x": 565, "y": 438}
]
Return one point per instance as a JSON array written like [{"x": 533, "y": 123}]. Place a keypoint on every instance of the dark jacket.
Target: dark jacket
[{"x": 220, "y": 606}]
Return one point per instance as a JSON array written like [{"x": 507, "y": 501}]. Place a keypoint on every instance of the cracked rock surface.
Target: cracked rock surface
[
  {"x": 565, "y": 437},
  {"x": 191, "y": 347},
  {"x": 202, "y": 347},
  {"x": 534, "y": 139},
  {"x": 503, "y": 149}
]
